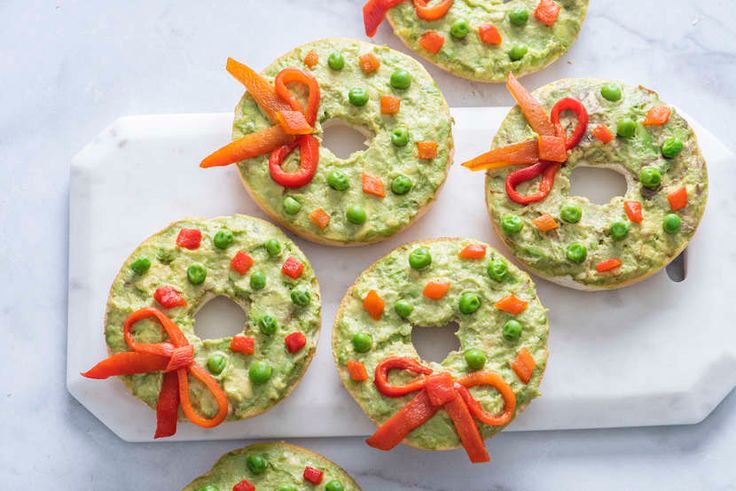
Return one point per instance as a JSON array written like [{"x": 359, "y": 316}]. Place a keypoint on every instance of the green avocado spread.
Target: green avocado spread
[
  {"x": 204, "y": 272},
  {"x": 657, "y": 160},
  {"x": 490, "y": 338},
  {"x": 527, "y": 45},
  {"x": 410, "y": 183},
  {"x": 272, "y": 467}
]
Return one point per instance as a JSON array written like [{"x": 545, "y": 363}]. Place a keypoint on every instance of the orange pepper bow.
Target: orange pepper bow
[
  {"x": 439, "y": 391},
  {"x": 176, "y": 359}
]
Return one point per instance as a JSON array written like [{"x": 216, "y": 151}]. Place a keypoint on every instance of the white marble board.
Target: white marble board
[{"x": 660, "y": 352}]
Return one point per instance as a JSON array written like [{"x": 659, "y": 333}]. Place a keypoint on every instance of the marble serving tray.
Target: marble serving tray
[{"x": 661, "y": 352}]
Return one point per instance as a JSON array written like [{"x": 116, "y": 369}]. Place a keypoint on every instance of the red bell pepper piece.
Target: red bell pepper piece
[
  {"x": 488, "y": 34},
  {"x": 296, "y": 76},
  {"x": 577, "y": 107},
  {"x": 127, "y": 363},
  {"x": 244, "y": 485},
  {"x": 313, "y": 475},
  {"x": 292, "y": 267},
  {"x": 243, "y": 344},
  {"x": 547, "y": 170},
  {"x": 403, "y": 363},
  {"x": 432, "y": 41},
  {"x": 241, "y": 262},
  {"x": 412, "y": 415},
  {"x": 295, "y": 342},
  {"x": 511, "y": 304},
  {"x": 432, "y": 12},
  {"x": 189, "y": 238},
  {"x": 466, "y": 429},
  {"x": 374, "y": 11},
  {"x": 633, "y": 211},
  {"x": 608, "y": 265},
  {"x": 678, "y": 198},
  {"x": 473, "y": 251},
  {"x": 547, "y": 12},
  {"x": 488, "y": 378},
  {"x": 169, "y": 297},
  {"x": 357, "y": 371},
  {"x": 524, "y": 365},
  {"x": 167, "y": 406},
  {"x": 308, "y": 160}
]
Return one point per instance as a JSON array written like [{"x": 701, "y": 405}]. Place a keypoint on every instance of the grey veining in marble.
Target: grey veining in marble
[{"x": 70, "y": 67}]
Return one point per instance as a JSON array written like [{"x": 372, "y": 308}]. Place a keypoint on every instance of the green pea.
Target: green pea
[
  {"x": 334, "y": 485},
  {"x": 671, "y": 223},
  {"x": 403, "y": 308},
  {"x": 362, "y": 342},
  {"x": 356, "y": 214},
  {"x": 291, "y": 206},
  {"x": 469, "y": 303},
  {"x": 420, "y": 258},
  {"x": 258, "y": 280},
  {"x": 459, "y": 29},
  {"x": 576, "y": 252},
  {"x": 512, "y": 330},
  {"x": 338, "y": 180},
  {"x": 400, "y": 79},
  {"x": 273, "y": 247},
  {"x": 336, "y": 60},
  {"x": 626, "y": 128},
  {"x": 650, "y": 177},
  {"x": 475, "y": 358},
  {"x": 671, "y": 147},
  {"x": 571, "y": 213},
  {"x": 611, "y": 92},
  {"x": 223, "y": 238},
  {"x": 401, "y": 184},
  {"x": 497, "y": 269},
  {"x": 141, "y": 265},
  {"x": 300, "y": 297},
  {"x": 209, "y": 487},
  {"x": 196, "y": 274},
  {"x": 400, "y": 137},
  {"x": 256, "y": 464},
  {"x": 517, "y": 52},
  {"x": 268, "y": 325},
  {"x": 519, "y": 17},
  {"x": 216, "y": 363},
  {"x": 511, "y": 224},
  {"x": 259, "y": 372},
  {"x": 358, "y": 96},
  {"x": 619, "y": 230}
]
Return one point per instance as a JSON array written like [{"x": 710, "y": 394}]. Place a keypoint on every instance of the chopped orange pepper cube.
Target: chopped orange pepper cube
[
  {"x": 524, "y": 365},
  {"x": 435, "y": 290},
  {"x": 545, "y": 223},
  {"x": 390, "y": 104},
  {"x": 602, "y": 132},
  {"x": 608, "y": 265},
  {"x": 357, "y": 371},
  {"x": 373, "y": 185},
  {"x": 369, "y": 63},
  {"x": 678, "y": 199},
  {"x": 427, "y": 150},
  {"x": 320, "y": 218},
  {"x": 633, "y": 211},
  {"x": 432, "y": 41},
  {"x": 473, "y": 251},
  {"x": 547, "y": 12},
  {"x": 657, "y": 116},
  {"x": 311, "y": 59},
  {"x": 489, "y": 34},
  {"x": 552, "y": 148},
  {"x": 373, "y": 304},
  {"x": 511, "y": 304}
]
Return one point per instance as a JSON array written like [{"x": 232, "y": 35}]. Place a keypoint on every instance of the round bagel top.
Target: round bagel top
[
  {"x": 284, "y": 469},
  {"x": 394, "y": 279},
  {"x": 176, "y": 262},
  {"x": 647, "y": 246},
  {"x": 423, "y": 113},
  {"x": 525, "y": 47}
]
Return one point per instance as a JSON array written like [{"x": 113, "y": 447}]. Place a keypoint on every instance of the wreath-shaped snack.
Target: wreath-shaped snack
[
  {"x": 482, "y": 40},
  {"x": 150, "y": 331},
  {"x": 373, "y": 193},
  {"x": 568, "y": 239},
  {"x": 474, "y": 392},
  {"x": 273, "y": 466}
]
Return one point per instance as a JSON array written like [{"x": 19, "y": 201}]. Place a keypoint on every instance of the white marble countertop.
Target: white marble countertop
[{"x": 69, "y": 68}]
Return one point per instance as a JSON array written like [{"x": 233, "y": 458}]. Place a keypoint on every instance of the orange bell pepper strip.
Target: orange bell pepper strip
[
  {"x": 432, "y": 41},
  {"x": 126, "y": 363},
  {"x": 678, "y": 199},
  {"x": 400, "y": 363},
  {"x": 427, "y": 150},
  {"x": 311, "y": 59},
  {"x": 390, "y": 104},
  {"x": 251, "y": 145},
  {"x": 608, "y": 265},
  {"x": 373, "y": 185},
  {"x": 374, "y": 11},
  {"x": 552, "y": 148},
  {"x": 294, "y": 123},
  {"x": 373, "y": 304},
  {"x": 496, "y": 381},
  {"x": 633, "y": 211},
  {"x": 530, "y": 107},
  {"x": 524, "y": 153},
  {"x": 473, "y": 251},
  {"x": 545, "y": 223},
  {"x": 602, "y": 132},
  {"x": 357, "y": 371},
  {"x": 524, "y": 365},
  {"x": 547, "y": 12},
  {"x": 432, "y": 12},
  {"x": 511, "y": 304},
  {"x": 488, "y": 34},
  {"x": 657, "y": 116},
  {"x": 369, "y": 63},
  {"x": 435, "y": 290},
  {"x": 320, "y": 218},
  {"x": 258, "y": 87}
]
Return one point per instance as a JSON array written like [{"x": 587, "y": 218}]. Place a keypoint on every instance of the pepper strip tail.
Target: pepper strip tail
[
  {"x": 167, "y": 408},
  {"x": 412, "y": 415}
]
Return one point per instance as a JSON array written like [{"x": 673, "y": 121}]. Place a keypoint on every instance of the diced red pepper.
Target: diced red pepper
[
  {"x": 489, "y": 34},
  {"x": 244, "y": 485},
  {"x": 320, "y": 218},
  {"x": 373, "y": 185},
  {"x": 432, "y": 12},
  {"x": 657, "y": 116},
  {"x": 189, "y": 238},
  {"x": 374, "y": 11},
  {"x": 169, "y": 297},
  {"x": 369, "y": 63},
  {"x": 473, "y": 251},
  {"x": 313, "y": 475},
  {"x": 633, "y": 211},
  {"x": 602, "y": 132},
  {"x": 241, "y": 262},
  {"x": 292, "y": 267},
  {"x": 243, "y": 344},
  {"x": 524, "y": 365},
  {"x": 373, "y": 304},
  {"x": 295, "y": 342},
  {"x": 547, "y": 12},
  {"x": 311, "y": 59},
  {"x": 390, "y": 104},
  {"x": 678, "y": 198},
  {"x": 357, "y": 371},
  {"x": 432, "y": 41},
  {"x": 427, "y": 150},
  {"x": 511, "y": 304},
  {"x": 608, "y": 265}
]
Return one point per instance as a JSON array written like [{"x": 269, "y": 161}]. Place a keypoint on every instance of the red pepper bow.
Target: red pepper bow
[
  {"x": 176, "y": 359},
  {"x": 439, "y": 391}
]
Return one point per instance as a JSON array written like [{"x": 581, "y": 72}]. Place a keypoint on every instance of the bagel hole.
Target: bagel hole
[
  {"x": 219, "y": 318},
  {"x": 343, "y": 139},
  {"x": 598, "y": 184},
  {"x": 677, "y": 269},
  {"x": 435, "y": 343}
]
